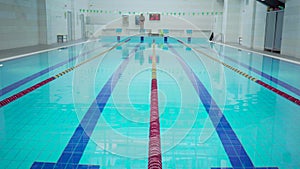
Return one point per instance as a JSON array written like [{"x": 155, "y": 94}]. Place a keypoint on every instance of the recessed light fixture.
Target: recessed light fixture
[{"x": 1, "y": 65}]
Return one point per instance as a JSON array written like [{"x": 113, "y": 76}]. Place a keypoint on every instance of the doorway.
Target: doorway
[{"x": 273, "y": 35}]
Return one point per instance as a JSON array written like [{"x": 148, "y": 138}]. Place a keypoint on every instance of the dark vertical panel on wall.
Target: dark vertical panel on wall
[{"x": 270, "y": 30}]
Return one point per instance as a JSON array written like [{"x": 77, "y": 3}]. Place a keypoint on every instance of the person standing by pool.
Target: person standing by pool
[{"x": 142, "y": 21}]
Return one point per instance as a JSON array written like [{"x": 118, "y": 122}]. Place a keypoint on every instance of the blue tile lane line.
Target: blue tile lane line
[
  {"x": 234, "y": 149},
  {"x": 79, "y": 140},
  {"x": 38, "y": 74},
  {"x": 243, "y": 168},
  {"x": 269, "y": 77}
]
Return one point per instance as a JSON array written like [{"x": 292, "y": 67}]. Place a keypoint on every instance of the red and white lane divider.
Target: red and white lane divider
[
  {"x": 40, "y": 84},
  {"x": 267, "y": 86},
  {"x": 154, "y": 154}
]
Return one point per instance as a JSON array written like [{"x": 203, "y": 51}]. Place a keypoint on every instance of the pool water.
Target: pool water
[{"x": 95, "y": 110}]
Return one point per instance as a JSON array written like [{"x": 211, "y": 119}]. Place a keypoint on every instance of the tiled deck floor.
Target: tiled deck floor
[{"x": 23, "y": 51}]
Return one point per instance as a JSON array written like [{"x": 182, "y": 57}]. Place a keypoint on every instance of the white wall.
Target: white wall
[
  {"x": 166, "y": 22},
  {"x": 57, "y": 18},
  {"x": 291, "y": 29},
  {"x": 32, "y": 22},
  {"x": 42, "y": 21},
  {"x": 218, "y": 19},
  {"x": 232, "y": 20},
  {"x": 259, "y": 28},
  {"x": 248, "y": 22},
  {"x": 253, "y": 24},
  {"x": 18, "y": 23},
  {"x": 203, "y": 22},
  {"x": 78, "y": 5},
  {"x": 245, "y": 19}
]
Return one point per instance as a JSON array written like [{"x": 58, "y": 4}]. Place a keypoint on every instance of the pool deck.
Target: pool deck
[
  {"x": 9, "y": 54},
  {"x": 265, "y": 53}
]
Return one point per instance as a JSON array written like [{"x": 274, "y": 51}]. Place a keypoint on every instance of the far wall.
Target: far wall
[
  {"x": 253, "y": 22},
  {"x": 232, "y": 21},
  {"x": 57, "y": 11},
  {"x": 26, "y": 23},
  {"x": 244, "y": 22},
  {"x": 19, "y": 25},
  {"x": 195, "y": 11},
  {"x": 34, "y": 22},
  {"x": 259, "y": 26}
]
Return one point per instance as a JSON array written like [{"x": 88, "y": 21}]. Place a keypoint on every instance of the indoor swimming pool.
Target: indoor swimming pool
[{"x": 90, "y": 106}]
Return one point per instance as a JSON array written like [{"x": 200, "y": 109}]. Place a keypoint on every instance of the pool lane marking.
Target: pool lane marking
[
  {"x": 40, "y": 84},
  {"x": 265, "y": 75},
  {"x": 154, "y": 150},
  {"x": 73, "y": 151},
  {"x": 27, "y": 79},
  {"x": 234, "y": 149},
  {"x": 267, "y": 86}
]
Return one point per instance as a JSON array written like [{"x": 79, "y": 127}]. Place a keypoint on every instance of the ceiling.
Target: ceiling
[{"x": 273, "y": 3}]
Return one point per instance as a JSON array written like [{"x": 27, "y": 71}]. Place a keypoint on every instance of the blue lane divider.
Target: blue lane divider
[
  {"x": 234, "y": 149},
  {"x": 265, "y": 75},
  {"x": 40, "y": 73},
  {"x": 73, "y": 152}
]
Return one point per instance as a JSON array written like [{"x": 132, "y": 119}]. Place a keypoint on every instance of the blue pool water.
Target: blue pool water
[{"x": 97, "y": 114}]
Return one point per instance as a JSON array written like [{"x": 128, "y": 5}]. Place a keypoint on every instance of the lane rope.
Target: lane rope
[
  {"x": 40, "y": 84},
  {"x": 27, "y": 79},
  {"x": 267, "y": 86},
  {"x": 154, "y": 154},
  {"x": 233, "y": 147},
  {"x": 77, "y": 144}
]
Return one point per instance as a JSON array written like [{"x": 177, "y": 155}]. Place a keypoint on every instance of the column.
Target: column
[
  {"x": 232, "y": 20},
  {"x": 42, "y": 21},
  {"x": 291, "y": 29}
]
